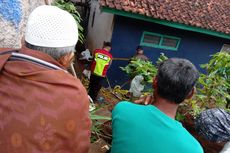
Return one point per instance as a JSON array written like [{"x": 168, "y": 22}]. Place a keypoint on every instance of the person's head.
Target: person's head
[
  {"x": 107, "y": 46},
  {"x": 53, "y": 31},
  {"x": 140, "y": 50},
  {"x": 214, "y": 125},
  {"x": 175, "y": 80}
]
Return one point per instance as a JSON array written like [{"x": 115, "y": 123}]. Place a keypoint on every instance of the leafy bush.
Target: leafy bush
[
  {"x": 213, "y": 89},
  {"x": 140, "y": 67},
  {"x": 144, "y": 68},
  {"x": 69, "y": 7},
  {"x": 97, "y": 122},
  {"x": 219, "y": 65}
]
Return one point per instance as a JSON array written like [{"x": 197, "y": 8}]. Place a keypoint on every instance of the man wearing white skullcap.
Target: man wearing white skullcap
[{"x": 43, "y": 108}]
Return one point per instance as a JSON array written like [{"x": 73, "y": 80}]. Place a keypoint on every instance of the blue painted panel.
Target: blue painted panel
[
  {"x": 11, "y": 11},
  {"x": 127, "y": 35}
]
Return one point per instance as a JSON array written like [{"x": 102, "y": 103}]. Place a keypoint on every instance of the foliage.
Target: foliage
[
  {"x": 213, "y": 88},
  {"x": 180, "y": 117},
  {"x": 96, "y": 125},
  {"x": 140, "y": 67},
  {"x": 69, "y": 7},
  {"x": 219, "y": 65},
  {"x": 162, "y": 58},
  {"x": 144, "y": 68}
]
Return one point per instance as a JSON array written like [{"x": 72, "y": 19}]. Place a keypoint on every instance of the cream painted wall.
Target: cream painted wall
[{"x": 102, "y": 28}]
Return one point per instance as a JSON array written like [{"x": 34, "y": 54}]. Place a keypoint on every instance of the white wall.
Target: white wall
[{"x": 102, "y": 28}]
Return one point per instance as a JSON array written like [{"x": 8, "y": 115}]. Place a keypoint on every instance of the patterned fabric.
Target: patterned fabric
[
  {"x": 214, "y": 125},
  {"x": 42, "y": 110},
  {"x": 141, "y": 57}
]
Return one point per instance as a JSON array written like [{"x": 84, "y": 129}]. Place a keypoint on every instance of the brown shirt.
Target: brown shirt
[
  {"x": 41, "y": 110},
  {"x": 141, "y": 57}
]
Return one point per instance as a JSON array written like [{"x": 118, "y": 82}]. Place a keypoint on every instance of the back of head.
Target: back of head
[
  {"x": 140, "y": 50},
  {"x": 107, "y": 46},
  {"x": 175, "y": 79},
  {"x": 49, "y": 28}
]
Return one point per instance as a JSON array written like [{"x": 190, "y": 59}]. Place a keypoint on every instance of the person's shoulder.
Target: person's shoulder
[
  {"x": 111, "y": 56},
  {"x": 193, "y": 142},
  {"x": 6, "y": 49},
  {"x": 122, "y": 104},
  {"x": 97, "y": 50},
  {"x": 125, "y": 107}
]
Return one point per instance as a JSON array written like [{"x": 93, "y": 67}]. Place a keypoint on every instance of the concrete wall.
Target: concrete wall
[
  {"x": 101, "y": 29},
  {"x": 13, "y": 17},
  {"x": 127, "y": 35}
]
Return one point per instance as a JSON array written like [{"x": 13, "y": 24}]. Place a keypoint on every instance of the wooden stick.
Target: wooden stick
[
  {"x": 73, "y": 70},
  {"x": 121, "y": 59}
]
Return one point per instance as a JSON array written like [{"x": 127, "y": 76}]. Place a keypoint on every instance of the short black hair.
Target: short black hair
[
  {"x": 175, "y": 79},
  {"x": 139, "y": 48},
  {"x": 107, "y": 44}
]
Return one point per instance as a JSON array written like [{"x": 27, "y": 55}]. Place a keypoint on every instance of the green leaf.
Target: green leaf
[
  {"x": 97, "y": 117},
  {"x": 69, "y": 6}
]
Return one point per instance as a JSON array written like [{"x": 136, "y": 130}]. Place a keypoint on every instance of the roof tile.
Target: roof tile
[{"x": 207, "y": 14}]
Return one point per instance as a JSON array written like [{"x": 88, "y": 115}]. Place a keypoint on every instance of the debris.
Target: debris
[
  {"x": 86, "y": 55},
  {"x": 87, "y": 73},
  {"x": 136, "y": 86},
  {"x": 100, "y": 146}
]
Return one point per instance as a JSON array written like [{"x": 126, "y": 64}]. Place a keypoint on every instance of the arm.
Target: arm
[{"x": 110, "y": 63}]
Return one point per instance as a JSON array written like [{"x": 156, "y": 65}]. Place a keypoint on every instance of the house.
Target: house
[{"x": 192, "y": 29}]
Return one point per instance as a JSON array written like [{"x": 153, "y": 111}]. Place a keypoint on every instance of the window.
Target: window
[
  {"x": 226, "y": 48},
  {"x": 156, "y": 40},
  {"x": 152, "y": 39}
]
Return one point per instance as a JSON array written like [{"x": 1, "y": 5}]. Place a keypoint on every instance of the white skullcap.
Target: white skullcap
[{"x": 49, "y": 26}]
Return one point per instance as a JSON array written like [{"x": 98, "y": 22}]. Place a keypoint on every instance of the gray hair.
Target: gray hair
[{"x": 55, "y": 52}]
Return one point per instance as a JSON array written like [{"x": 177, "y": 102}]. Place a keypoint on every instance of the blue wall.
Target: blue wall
[{"x": 127, "y": 35}]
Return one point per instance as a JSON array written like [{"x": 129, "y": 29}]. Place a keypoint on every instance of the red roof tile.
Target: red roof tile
[{"x": 208, "y": 14}]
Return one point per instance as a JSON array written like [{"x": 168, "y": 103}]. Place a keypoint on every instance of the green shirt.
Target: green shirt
[{"x": 145, "y": 129}]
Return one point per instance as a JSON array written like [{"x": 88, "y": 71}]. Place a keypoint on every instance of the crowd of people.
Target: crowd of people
[{"x": 44, "y": 109}]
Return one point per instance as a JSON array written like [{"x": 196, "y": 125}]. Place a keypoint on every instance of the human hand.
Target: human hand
[{"x": 145, "y": 100}]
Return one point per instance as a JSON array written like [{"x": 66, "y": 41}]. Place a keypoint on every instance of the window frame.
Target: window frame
[
  {"x": 225, "y": 46},
  {"x": 142, "y": 43}
]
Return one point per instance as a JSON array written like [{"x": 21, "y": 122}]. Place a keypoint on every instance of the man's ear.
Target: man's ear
[
  {"x": 66, "y": 60},
  {"x": 155, "y": 83},
  {"x": 191, "y": 93}
]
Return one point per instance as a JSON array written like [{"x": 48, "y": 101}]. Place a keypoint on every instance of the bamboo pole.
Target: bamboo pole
[
  {"x": 121, "y": 59},
  {"x": 73, "y": 70}
]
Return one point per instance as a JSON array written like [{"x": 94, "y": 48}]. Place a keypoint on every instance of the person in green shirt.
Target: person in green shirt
[{"x": 153, "y": 128}]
